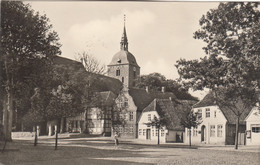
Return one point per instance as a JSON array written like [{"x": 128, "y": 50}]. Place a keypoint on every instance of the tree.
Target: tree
[
  {"x": 232, "y": 62},
  {"x": 189, "y": 121},
  {"x": 158, "y": 123},
  {"x": 27, "y": 46},
  {"x": 155, "y": 82},
  {"x": 91, "y": 64}
]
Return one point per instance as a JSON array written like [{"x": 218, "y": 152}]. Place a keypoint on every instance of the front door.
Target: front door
[
  {"x": 203, "y": 133},
  {"x": 148, "y": 134}
]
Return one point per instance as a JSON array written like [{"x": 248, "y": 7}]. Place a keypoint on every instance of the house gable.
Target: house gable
[{"x": 254, "y": 115}]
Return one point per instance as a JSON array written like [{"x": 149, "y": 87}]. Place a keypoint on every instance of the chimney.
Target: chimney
[
  {"x": 147, "y": 89},
  {"x": 163, "y": 89}
]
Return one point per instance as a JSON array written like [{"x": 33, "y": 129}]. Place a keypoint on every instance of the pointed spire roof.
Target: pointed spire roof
[{"x": 124, "y": 41}]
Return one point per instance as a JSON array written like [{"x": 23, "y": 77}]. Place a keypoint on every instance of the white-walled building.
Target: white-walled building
[
  {"x": 170, "y": 111},
  {"x": 253, "y": 127},
  {"x": 218, "y": 125}
]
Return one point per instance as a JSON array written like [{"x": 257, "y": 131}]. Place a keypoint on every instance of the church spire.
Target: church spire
[{"x": 124, "y": 41}]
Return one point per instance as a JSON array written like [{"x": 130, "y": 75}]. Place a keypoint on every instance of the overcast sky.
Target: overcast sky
[{"x": 159, "y": 33}]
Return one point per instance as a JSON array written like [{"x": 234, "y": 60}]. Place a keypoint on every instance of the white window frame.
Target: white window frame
[
  {"x": 212, "y": 130},
  {"x": 207, "y": 113}
]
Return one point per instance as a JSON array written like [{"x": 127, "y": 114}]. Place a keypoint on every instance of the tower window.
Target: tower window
[
  {"x": 134, "y": 74},
  {"x": 123, "y": 79},
  {"x": 118, "y": 72}
]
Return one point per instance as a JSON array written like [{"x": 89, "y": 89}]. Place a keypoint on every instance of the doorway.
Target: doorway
[
  {"x": 148, "y": 134},
  {"x": 203, "y": 133}
]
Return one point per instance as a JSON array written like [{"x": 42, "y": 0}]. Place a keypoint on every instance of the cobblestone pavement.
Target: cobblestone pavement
[{"x": 102, "y": 151}]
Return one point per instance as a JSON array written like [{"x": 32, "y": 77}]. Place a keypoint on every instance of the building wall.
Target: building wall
[
  {"x": 174, "y": 136},
  {"x": 126, "y": 111},
  {"x": 253, "y": 127},
  {"x": 231, "y": 132},
  {"x": 50, "y": 129},
  {"x": 76, "y": 123},
  {"x": 146, "y": 132},
  {"x": 213, "y": 134},
  {"x": 126, "y": 72},
  {"x": 98, "y": 121}
]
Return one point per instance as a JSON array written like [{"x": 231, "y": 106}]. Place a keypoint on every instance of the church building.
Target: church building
[
  {"x": 123, "y": 65},
  {"x": 131, "y": 101}
]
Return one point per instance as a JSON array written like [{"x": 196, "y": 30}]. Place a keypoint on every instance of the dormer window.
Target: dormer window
[{"x": 119, "y": 60}]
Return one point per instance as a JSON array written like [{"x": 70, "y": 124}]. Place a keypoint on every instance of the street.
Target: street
[{"x": 102, "y": 151}]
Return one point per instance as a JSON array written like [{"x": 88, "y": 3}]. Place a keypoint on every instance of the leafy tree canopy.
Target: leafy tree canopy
[
  {"x": 232, "y": 62},
  {"x": 28, "y": 44},
  {"x": 231, "y": 33},
  {"x": 155, "y": 81}
]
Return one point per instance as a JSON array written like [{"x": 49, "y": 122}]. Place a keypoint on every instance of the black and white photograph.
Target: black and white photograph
[{"x": 129, "y": 82}]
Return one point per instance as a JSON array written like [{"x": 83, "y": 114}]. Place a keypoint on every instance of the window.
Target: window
[
  {"x": 126, "y": 130},
  {"x": 162, "y": 132},
  {"x": 149, "y": 117},
  {"x": 123, "y": 79},
  {"x": 118, "y": 72},
  {"x": 120, "y": 129},
  {"x": 255, "y": 128},
  {"x": 215, "y": 113},
  {"x": 156, "y": 133},
  {"x": 120, "y": 103},
  {"x": 131, "y": 116},
  {"x": 219, "y": 134},
  {"x": 134, "y": 74},
  {"x": 195, "y": 132},
  {"x": 212, "y": 131},
  {"x": 143, "y": 132},
  {"x": 140, "y": 132},
  {"x": 126, "y": 102},
  {"x": 131, "y": 129},
  {"x": 124, "y": 116},
  {"x": 121, "y": 116},
  {"x": 199, "y": 114},
  {"x": 207, "y": 112}
]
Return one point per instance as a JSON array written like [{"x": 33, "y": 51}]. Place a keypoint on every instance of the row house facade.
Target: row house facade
[
  {"x": 217, "y": 124},
  {"x": 170, "y": 110}
]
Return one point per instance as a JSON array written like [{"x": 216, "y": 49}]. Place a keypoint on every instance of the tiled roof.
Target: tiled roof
[
  {"x": 170, "y": 110},
  {"x": 102, "y": 82},
  {"x": 107, "y": 97},
  {"x": 209, "y": 100},
  {"x": 142, "y": 98}
]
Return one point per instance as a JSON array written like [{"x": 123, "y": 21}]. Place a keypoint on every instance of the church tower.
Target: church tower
[{"x": 123, "y": 65}]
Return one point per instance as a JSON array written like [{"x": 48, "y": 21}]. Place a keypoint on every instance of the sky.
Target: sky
[{"x": 159, "y": 33}]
